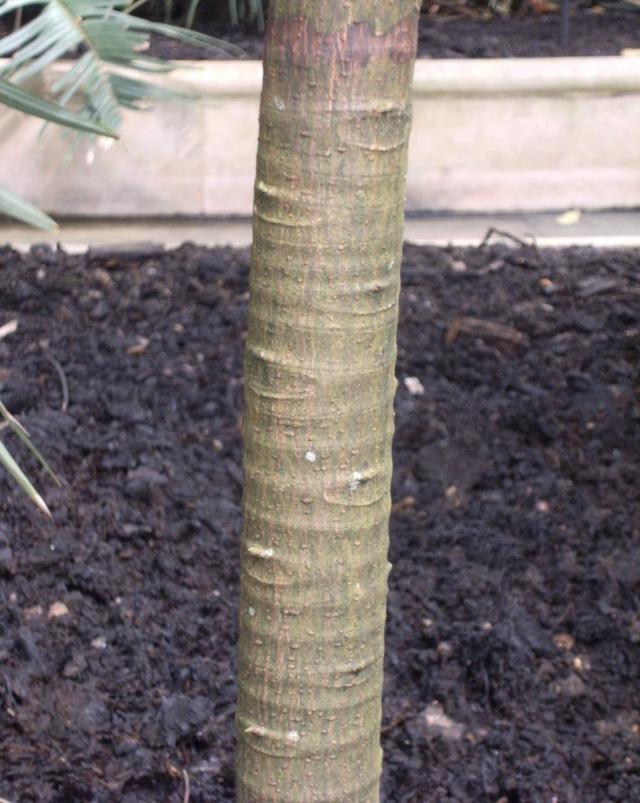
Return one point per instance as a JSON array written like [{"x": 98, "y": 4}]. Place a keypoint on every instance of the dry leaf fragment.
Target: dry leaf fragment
[
  {"x": 569, "y": 218},
  {"x": 442, "y": 725},
  {"x": 8, "y": 328},
  {"x": 564, "y": 641},
  {"x": 405, "y": 503},
  {"x": 541, "y": 6},
  {"x": 138, "y": 348},
  {"x": 486, "y": 330}
]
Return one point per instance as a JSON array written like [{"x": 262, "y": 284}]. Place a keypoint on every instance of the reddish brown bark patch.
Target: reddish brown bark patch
[{"x": 298, "y": 43}]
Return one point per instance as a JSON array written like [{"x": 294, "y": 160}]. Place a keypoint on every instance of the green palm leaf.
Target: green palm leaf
[
  {"x": 191, "y": 13},
  {"x": 6, "y": 459},
  {"x": 181, "y": 35},
  {"x": 18, "y": 98},
  {"x": 109, "y": 42},
  {"x": 254, "y": 12},
  {"x": 23, "y": 435},
  {"x": 14, "y": 206}
]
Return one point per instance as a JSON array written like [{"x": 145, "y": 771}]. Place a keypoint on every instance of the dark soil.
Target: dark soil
[
  {"x": 514, "y": 606},
  {"x": 466, "y": 34},
  {"x": 592, "y": 34}
]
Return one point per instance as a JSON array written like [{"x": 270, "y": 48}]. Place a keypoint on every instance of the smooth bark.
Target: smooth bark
[{"x": 319, "y": 386}]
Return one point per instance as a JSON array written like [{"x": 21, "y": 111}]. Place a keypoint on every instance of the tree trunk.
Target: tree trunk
[{"x": 319, "y": 386}]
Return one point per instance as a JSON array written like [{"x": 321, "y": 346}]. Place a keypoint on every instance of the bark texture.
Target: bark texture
[{"x": 319, "y": 374}]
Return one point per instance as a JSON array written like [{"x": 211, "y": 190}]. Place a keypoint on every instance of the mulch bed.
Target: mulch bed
[
  {"x": 606, "y": 33},
  {"x": 465, "y": 33},
  {"x": 514, "y": 615}
]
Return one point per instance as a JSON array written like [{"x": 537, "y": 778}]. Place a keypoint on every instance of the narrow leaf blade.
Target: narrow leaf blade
[
  {"x": 16, "y": 207},
  {"x": 180, "y": 34},
  {"x": 22, "y": 433},
  {"x": 20, "y": 477},
  {"x": 23, "y": 101}
]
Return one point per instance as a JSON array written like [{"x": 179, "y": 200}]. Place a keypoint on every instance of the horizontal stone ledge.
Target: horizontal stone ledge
[
  {"x": 487, "y": 135},
  {"x": 464, "y": 77},
  {"x": 590, "y": 75}
]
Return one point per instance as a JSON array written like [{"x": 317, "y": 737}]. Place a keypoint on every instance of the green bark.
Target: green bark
[{"x": 319, "y": 386}]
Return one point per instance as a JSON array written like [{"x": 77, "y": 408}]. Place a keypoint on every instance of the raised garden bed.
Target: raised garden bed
[
  {"x": 544, "y": 134},
  {"x": 469, "y": 34},
  {"x": 530, "y": 134},
  {"x": 514, "y": 630}
]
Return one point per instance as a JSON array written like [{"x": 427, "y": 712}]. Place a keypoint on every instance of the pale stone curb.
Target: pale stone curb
[
  {"x": 488, "y": 135},
  {"x": 599, "y": 229}
]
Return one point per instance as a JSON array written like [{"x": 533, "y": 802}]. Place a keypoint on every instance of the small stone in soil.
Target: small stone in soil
[
  {"x": 414, "y": 385},
  {"x": 442, "y": 725},
  {"x": 75, "y": 666},
  {"x": 7, "y": 561},
  {"x": 564, "y": 641},
  {"x": 100, "y": 311},
  {"x": 571, "y": 686},
  {"x": 99, "y": 643},
  {"x": 56, "y": 610}
]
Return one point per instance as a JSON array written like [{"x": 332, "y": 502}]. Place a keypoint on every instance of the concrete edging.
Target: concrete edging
[
  {"x": 491, "y": 135},
  {"x": 619, "y": 229}
]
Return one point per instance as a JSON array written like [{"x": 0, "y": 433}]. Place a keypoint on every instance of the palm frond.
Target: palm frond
[
  {"x": 108, "y": 41},
  {"x": 194, "y": 38},
  {"x": 24, "y": 436},
  {"x": 23, "y": 101},
  {"x": 233, "y": 12},
  {"x": 20, "y": 99},
  {"x": 6, "y": 460},
  {"x": 14, "y": 206},
  {"x": 191, "y": 13},
  {"x": 256, "y": 13},
  {"x": 250, "y": 11}
]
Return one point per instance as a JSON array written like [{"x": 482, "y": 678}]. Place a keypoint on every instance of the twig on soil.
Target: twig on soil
[
  {"x": 63, "y": 382},
  {"x": 395, "y": 722},
  {"x": 493, "y": 232},
  {"x": 407, "y": 712},
  {"x": 187, "y": 787},
  {"x": 476, "y": 327},
  {"x": 605, "y": 753},
  {"x": 4, "y": 800}
]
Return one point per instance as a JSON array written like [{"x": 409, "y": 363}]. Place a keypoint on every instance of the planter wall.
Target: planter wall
[{"x": 491, "y": 135}]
